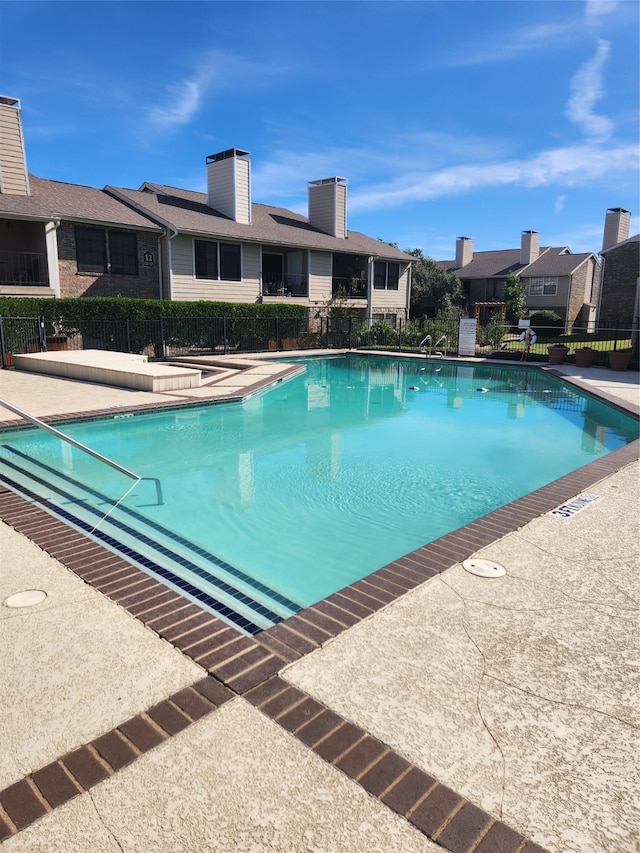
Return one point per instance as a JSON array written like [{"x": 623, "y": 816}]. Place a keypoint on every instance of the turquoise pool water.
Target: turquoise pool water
[{"x": 327, "y": 477}]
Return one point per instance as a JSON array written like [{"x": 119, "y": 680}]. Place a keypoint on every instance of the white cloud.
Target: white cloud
[
  {"x": 595, "y": 10},
  {"x": 216, "y": 72},
  {"x": 571, "y": 166},
  {"x": 559, "y": 203},
  {"x": 182, "y": 104},
  {"x": 586, "y": 90}
]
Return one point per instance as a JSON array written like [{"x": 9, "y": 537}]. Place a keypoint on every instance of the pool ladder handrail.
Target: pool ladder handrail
[
  {"x": 423, "y": 342},
  {"x": 439, "y": 341},
  {"x": 48, "y": 428},
  {"x": 433, "y": 346}
]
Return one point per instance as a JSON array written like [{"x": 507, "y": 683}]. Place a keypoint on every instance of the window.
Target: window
[
  {"x": 92, "y": 256},
  {"x": 218, "y": 260},
  {"x": 385, "y": 275},
  {"x": 123, "y": 253},
  {"x": 206, "y": 259},
  {"x": 91, "y": 250},
  {"x": 543, "y": 286},
  {"x": 230, "y": 262}
]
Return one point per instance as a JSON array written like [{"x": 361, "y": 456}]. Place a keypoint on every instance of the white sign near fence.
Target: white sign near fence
[{"x": 467, "y": 337}]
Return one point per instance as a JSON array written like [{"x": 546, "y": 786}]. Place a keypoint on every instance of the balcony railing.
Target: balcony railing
[
  {"x": 285, "y": 284},
  {"x": 349, "y": 288},
  {"x": 23, "y": 268}
]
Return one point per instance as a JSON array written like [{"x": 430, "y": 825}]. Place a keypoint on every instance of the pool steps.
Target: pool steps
[{"x": 182, "y": 565}]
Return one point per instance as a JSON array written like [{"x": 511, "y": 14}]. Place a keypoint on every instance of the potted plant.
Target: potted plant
[
  {"x": 584, "y": 356},
  {"x": 619, "y": 359},
  {"x": 557, "y": 353}
]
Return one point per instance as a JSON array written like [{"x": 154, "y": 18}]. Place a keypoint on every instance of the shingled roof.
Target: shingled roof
[
  {"x": 187, "y": 211},
  {"x": 551, "y": 261},
  {"x": 58, "y": 200}
]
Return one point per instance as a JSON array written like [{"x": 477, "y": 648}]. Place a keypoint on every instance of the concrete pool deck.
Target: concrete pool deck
[{"x": 488, "y": 714}]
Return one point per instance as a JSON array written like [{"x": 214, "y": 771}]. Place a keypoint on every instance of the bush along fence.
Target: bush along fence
[{"x": 165, "y": 337}]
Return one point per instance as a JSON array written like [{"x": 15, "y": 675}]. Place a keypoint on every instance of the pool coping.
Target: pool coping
[{"x": 249, "y": 666}]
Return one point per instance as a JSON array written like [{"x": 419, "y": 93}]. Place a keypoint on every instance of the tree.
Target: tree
[
  {"x": 433, "y": 289},
  {"x": 515, "y": 295}
]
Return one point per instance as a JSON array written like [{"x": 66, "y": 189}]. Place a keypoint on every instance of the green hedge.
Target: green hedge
[{"x": 121, "y": 308}]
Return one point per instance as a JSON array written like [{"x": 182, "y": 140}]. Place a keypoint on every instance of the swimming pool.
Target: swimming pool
[{"x": 272, "y": 504}]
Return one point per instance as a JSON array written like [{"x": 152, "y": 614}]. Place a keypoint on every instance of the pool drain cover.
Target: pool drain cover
[
  {"x": 484, "y": 568},
  {"x": 26, "y": 598}
]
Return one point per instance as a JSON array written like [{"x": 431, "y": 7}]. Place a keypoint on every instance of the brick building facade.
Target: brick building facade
[
  {"x": 618, "y": 301},
  {"x": 142, "y": 280}
]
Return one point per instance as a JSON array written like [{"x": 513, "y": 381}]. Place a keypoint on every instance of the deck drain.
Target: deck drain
[
  {"x": 484, "y": 568},
  {"x": 26, "y": 598}
]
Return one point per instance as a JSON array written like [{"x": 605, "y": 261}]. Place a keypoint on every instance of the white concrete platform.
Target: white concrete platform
[{"x": 124, "y": 370}]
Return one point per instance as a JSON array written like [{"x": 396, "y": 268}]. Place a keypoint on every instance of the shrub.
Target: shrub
[{"x": 548, "y": 319}]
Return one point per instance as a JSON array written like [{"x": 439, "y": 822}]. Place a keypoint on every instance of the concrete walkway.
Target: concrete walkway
[{"x": 518, "y": 692}]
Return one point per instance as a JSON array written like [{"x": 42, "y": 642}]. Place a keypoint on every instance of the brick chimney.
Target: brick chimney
[
  {"x": 229, "y": 184},
  {"x": 464, "y": 251},
  {"x": 616, "y": 226},
  {"x": 328, "y": 206},
  {"x": 529, "y": 247},
  {"x": 14, "y": 177}
]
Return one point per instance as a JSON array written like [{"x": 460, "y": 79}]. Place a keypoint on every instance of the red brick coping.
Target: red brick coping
[{"x": 248, "y": 666}]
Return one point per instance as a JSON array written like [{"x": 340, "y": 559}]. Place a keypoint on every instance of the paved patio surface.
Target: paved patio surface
[{"x": 518, "y": 693}]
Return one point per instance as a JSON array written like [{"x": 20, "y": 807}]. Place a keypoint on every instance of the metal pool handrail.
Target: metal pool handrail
[{"x": 32, "y": 419}]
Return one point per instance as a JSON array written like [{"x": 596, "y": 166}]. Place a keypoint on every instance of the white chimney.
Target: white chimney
[
  {"x": 328, "y": 206},
  {"x": 14, "y": 177},
  {"x": 529, "y": 247},
  {"x": 464, "y": 251},
  {"x": 616, "y": 226},
  {"x": 229, "y": 184}
]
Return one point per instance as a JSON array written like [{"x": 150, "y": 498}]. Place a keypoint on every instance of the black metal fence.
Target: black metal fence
[{"x": 167, "y": 337}]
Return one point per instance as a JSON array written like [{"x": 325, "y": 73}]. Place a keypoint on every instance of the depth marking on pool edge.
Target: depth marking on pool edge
[{"x": 571, "y": 508}]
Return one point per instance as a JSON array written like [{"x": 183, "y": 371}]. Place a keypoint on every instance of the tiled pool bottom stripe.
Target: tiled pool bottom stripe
[
  {"x": 434, "y": 809},
  {"x": 79, "y": 770}
]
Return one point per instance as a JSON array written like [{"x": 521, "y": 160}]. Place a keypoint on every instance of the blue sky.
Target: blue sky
[{"x": 453, "y": 118}]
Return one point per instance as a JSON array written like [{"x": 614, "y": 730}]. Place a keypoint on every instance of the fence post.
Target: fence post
[
  {"x": 163, "y": 346},
  {"x": 128, "y": 335},
  {"x": 224, "y": 334},
  {"x": 350, "y": 328},
  {"x": 41, "y": 335},
  {"x": 615, "y": 336},
  {"x": 400, "y": 334},
  {"x": 277, "y": 334},
  {"x": 2, "y": 350}
]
